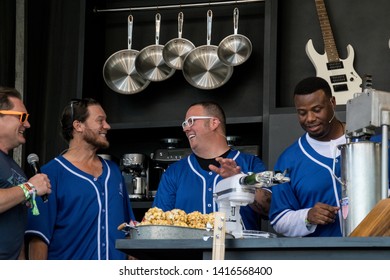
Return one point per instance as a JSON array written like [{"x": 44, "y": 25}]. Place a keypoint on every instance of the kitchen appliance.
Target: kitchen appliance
[
  {"x": 239, "y": 190},
  {"x": 168, "y": 153},
  {"x": 159, "y": 162},
  {"x": 134, "y": 170},
  {"x": 364, "y": 164},
  {"x": 361, "y": 177},
  {"x": 234, "y": 142}
]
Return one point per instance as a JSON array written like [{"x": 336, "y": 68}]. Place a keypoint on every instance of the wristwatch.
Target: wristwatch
[{"x": 307, "y": 222}]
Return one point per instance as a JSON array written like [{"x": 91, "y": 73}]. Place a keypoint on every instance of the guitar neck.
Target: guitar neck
[{"x": 327, "y": 34}]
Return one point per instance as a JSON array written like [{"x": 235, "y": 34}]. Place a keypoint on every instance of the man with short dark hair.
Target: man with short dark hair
[
  {"x": 89, "y": 199},
  {"x": 309, "y": 204},
  {"x": 17, "y": 193},
  {"x": 189, "y": 184}
]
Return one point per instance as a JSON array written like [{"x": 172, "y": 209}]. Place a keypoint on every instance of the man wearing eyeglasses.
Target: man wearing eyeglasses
[
  {"x": 89, "y": 195},
  {"x": 17, "y": 193},
  {"x": 189, "y": 183}
]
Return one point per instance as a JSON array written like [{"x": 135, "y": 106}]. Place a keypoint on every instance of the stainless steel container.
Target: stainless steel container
[
  {"x": 134, "y": 170},
  {"x": 361, "y": 177}
]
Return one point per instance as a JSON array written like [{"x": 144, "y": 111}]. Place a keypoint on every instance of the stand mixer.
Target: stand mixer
[{"x": 239, "y": 190}]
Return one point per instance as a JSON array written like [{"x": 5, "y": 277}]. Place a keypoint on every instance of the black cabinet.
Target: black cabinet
[{"x": 140, "y": 120}]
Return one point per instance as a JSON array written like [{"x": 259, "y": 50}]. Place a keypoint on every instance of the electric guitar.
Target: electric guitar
[{"x": 339, "y": 73}]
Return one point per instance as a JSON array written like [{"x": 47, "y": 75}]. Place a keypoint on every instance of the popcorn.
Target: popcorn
[{"x": 177, "y": 217}]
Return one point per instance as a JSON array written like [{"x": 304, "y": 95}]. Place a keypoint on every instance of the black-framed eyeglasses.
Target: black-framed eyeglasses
[{"x": 23, "y": 116}]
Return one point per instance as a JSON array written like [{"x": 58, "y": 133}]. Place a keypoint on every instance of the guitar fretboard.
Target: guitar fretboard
[{"x": 327, "y": 34}]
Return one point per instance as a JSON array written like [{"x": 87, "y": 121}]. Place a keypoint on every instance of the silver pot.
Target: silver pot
[
  {"x": 202, "y": 68},
  {"x": 119, "y": 71}
]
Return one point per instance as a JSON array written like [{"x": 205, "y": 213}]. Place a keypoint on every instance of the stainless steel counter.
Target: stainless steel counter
[{"x": 313, "y": 248}]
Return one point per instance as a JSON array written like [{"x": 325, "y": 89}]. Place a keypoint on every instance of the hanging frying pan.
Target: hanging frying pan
[
  {"x": 176, "y": 49},
  {"x": 235, "y": 49},
  {"x": 119, "y": 71},
  {"x": 202, "y": 68},
  {"x": 149, "y": 62}
]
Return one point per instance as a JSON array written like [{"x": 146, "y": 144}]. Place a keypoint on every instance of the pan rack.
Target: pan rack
[{"x": 177, "y": 6}]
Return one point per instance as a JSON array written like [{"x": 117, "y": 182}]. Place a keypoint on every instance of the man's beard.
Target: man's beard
[{"x": 91, "y": 138}]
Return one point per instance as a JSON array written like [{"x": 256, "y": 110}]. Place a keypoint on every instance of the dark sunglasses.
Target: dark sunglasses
[{"x": 78, "y": 102}]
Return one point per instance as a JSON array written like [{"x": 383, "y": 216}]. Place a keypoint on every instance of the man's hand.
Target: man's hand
[
  {"x": 262, "y": 202},
  {"x": 228, "y": 167},
  {"x": 322, "y": 214},
  {"x": 41, "y": 183}
]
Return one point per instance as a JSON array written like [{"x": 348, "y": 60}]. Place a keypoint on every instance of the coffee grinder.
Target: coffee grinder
[{"x": 134, "y": 170}]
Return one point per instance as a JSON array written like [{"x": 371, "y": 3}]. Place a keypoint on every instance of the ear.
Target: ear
[
  {"x": 78, "y": 126},
  {"x": 214, "y": 123},
  {"x": 333, "y": 101}
]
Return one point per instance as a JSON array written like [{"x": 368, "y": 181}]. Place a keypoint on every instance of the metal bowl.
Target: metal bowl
[{"x": 170, "y": 232}]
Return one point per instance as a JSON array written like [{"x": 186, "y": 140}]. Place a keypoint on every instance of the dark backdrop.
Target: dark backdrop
[
  {"x": 7, "y": 43},
  {"x": 54, "y": 44}
]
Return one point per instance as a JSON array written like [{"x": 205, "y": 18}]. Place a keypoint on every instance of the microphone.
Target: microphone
[
  {"x": 33, "y": 160},
  {"x": 334, "y": 113}
]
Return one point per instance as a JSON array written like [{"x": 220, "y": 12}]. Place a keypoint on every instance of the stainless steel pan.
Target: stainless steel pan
[
  {"x": 177, "y": 49},
  {"x": 202, "y": 68},
  {"x": 119, "y": 71},
  {"x": 149, "y": 62},
  {"x": 235, "y": 49}
]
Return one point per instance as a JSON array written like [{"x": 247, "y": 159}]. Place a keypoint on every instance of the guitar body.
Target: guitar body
[{"x": 341, "y": 76}]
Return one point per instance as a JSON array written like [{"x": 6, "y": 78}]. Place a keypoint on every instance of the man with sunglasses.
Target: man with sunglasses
[
  {"x": 17, "y": 193},
  {"x": 89, "y": 198},
  {"x": 189, "y": 183}
]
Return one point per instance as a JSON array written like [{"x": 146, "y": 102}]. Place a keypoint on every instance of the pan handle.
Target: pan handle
[
  {"x": 158, "y": 22},
  {"x": 235, "y": 21},
  {"x": 209, "y": 24},
  {"x": 180, "y": 20},
  {"x": 129, "y": 31}
]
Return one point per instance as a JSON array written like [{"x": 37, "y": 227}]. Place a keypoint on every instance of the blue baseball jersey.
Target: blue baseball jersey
[
  {"x": 81, "y": 218},
  {"x": 185, "y": 185},
  {"x": 312, "y": 181}
]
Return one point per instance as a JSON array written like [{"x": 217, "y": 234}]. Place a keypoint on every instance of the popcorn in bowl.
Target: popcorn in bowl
[{"x": 177, "y": 217}]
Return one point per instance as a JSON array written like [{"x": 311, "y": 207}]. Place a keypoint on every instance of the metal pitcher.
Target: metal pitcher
[{"x": 361, "y": 178}]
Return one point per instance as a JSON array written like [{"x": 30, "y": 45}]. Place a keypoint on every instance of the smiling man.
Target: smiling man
[
  {"x": 16, "y": 192},
  {"x": 89, "y": 197},
  {"x": 309, "y": 204},
  {"x": 189, "y": 183}
]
